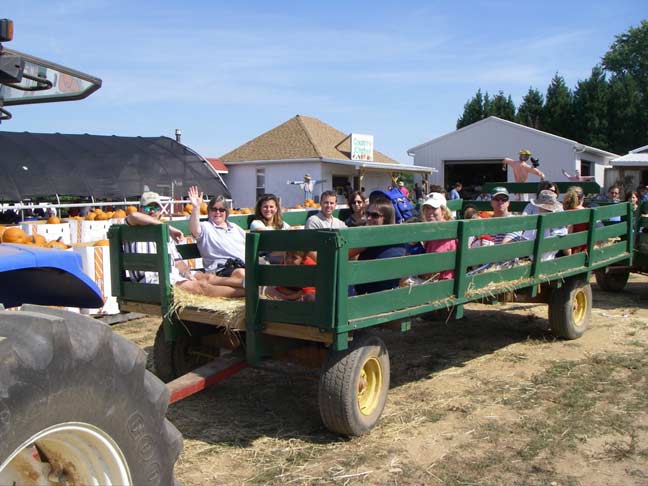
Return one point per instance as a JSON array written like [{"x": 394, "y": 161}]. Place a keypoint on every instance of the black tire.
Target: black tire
[
  {"x": 611, "y": 282},
  {"x": 353, "y": 386},
  {"x": 60, "y": 368},
  {"x": 174, "y": 359},
  {"x": 570, "y": 309}
]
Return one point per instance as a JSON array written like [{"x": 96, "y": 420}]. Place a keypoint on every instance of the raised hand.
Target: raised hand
[{"x": 195, "y": 196}]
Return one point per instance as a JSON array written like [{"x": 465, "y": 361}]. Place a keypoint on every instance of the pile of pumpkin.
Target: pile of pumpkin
[
  {"x": 242, "y": 211},
  {"x": 99, "y": 214},
  {"x": 17, "y": 235},
  {"x": 308, "y": 203}
]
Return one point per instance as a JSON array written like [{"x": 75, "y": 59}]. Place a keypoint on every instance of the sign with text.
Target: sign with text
[{"x": 362, "y": 147}]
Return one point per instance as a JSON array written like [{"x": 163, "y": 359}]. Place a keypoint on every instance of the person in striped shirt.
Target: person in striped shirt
[{"x": 500, "y": 204}]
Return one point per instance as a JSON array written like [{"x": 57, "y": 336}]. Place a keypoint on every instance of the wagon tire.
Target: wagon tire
[
  {"x": 570, "y": 309},
  {"x": 172, "y": 359},
  {"x": 611, "y": 282},
  {"x": 78, "y": 406},
  {"x": 353, "y": 386}
]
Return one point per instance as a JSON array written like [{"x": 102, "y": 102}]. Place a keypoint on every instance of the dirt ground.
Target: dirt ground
[{"x": 491, "y": 399}]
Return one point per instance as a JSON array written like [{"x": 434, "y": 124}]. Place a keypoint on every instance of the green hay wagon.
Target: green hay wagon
[{"x": 335, "y": 331}]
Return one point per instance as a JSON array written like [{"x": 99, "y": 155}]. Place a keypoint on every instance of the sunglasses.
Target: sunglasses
[
  {"x": 500, "y": 199},
  {"x": 374, "y": 215},
  {"x": 219, "y": 210},
  {"x": 151, "y": 208}
]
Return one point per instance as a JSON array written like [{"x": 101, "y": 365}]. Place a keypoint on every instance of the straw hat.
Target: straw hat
[{"x": 548, "y": 201}]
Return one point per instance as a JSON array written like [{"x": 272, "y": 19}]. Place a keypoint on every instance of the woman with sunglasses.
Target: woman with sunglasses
[
  {"x": 356, "y": 202},
  {"x": 267, "y": 214},
  {"x": 379, "y": 213},
  {"x": 221, "y": 244}
]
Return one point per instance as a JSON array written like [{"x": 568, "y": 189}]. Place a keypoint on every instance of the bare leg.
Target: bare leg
[
  {"x": 234, "y": 281},
  {"x": 203, "y": 287}
]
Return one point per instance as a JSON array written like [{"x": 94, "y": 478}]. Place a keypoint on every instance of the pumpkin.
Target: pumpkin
[
  {"x": 39, "y": 240},
  {"x": 53, "y": 220},
  {"x": 102, "y": 243},
  {"x": 101, "y": 216},
  {"x": 246, "y": 211},
  {"x": 188, "y": 208},
  {"x": 91, "y": 216},
  {"x": 203, "y": 208},
  {"x": 14, "y": 235},
  {"x": 57, "y": 245},
  {"x": 120, "y": 213},
  {"x": 131, "y": 210}
]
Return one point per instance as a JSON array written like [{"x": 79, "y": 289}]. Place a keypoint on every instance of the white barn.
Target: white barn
[
  {"x": 304, "y": 145},
  {"x": 473, "y": 154}
]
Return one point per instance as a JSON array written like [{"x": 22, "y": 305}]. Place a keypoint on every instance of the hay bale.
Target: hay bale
[{"x": 227, "y": 312}]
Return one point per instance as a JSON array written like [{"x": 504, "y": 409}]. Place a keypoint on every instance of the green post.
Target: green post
[
  {"x": 461, "y": 268},
  {"x": 252, "y": 329},
  {"x": 116, "y": 261},
  {"x": 591, "y": 237},
  {"x": 537, "y": 252},
  {"x": 342, "y": 292},
  {"x": 631, "y": 232},
  {"x": 166, "y": 292}
]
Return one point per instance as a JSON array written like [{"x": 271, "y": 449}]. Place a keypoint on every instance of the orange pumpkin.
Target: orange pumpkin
[
  {"x": 53, "y": 220},
  {"x": 37, "y": 239},
  {"x": 188, "y": 208},
  {"x": 203, "y": 208},
  {"x": 246, "y": 211},
  {"x": 57, "y": 245},
  {"x": 14, "y": 235},
  {"x": 120, "y": 213},
  {"x": 131, "y": 210},
  {"x": 91, "y": 216}
]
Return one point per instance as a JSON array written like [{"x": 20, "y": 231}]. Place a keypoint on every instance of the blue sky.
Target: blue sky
[{"x": 225, "y": 72}]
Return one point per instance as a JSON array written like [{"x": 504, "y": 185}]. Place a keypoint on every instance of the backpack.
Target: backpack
[{"x": 403, "y": 208}]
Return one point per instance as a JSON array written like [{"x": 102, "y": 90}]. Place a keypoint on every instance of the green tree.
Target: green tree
[
  {"x": 627, "y": 123},
  {"x": 629, "y": 55},
  {"x": 590, "y": 108},
  {"x": 474, "y": 110},
  {"x": 627, "y": 61},
  {"x": 501, "y": 106},
  {"x": 557, "y": 111},
  {"x": 530, "y": 110}
]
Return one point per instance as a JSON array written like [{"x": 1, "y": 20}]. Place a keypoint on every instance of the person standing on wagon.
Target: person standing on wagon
[{"x": 521, "y": 169}]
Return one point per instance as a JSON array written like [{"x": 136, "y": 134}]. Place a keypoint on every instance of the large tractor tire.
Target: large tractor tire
[
  {"x": 77, "y": 405},
  {"x": 611, "y": 282},
  {"x": 570, "y": 309},
  {"x": 172, "y": 359},
  {"x": 353, "y": 386}
]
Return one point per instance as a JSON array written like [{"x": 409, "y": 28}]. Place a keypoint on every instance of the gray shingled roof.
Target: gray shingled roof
[{"x": 301, "y": 137}]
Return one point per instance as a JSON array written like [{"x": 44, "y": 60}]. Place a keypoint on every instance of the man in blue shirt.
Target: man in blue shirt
[{"x": 454, "y": 193}]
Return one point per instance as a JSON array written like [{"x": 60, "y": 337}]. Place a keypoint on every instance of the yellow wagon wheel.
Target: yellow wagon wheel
[
  {"x": 570, "y": 308},
  {"x": 353, "y": 386}
]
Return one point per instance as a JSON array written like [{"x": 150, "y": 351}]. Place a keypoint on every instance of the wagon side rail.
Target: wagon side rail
[
  {"x": 402, "y": 303},
  {"x": 319, "y": 316},
  {"x": 123, "y": 261}
]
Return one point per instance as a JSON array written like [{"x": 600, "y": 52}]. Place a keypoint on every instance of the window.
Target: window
[{"x": 260, "y": 183}]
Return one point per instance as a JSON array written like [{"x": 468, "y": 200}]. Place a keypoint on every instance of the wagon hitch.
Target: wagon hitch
[{"x": 200, "y": 378}]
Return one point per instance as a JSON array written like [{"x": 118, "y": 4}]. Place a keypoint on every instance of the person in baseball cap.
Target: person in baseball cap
[
  {"x": 149, "y": 197},
  {"x": 499, "y": 191}
]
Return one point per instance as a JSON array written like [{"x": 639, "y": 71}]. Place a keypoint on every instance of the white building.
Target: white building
[
  {"x": 304, "y": 145},
  {"x": 631, "y": 170},
  {"x": 473, "y": 154}
]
